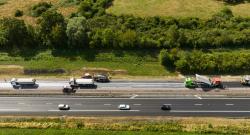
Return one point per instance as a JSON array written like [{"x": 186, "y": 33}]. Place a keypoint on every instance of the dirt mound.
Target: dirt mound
[{"x": 99, "y": 70}]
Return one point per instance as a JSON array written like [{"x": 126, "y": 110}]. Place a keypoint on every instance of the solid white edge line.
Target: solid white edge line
[
  {"x": 197, "y": 111},
  {"x": 93, "y": 110},
  {"x": 9, "y": 110}
]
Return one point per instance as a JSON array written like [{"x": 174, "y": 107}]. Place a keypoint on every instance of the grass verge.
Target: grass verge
[
  {"x": 123, "y": 125},
  {"x": 8, "y": 131}
]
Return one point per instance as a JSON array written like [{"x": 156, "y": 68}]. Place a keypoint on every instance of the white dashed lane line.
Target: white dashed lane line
[
  {"x": 198, "y": 104},
  {"x": 229, "y": 104}
]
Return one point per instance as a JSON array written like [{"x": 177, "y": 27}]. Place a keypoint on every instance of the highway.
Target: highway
[
  {"x": 47, "y": 106},
  {"x": 58, "y": 84}
]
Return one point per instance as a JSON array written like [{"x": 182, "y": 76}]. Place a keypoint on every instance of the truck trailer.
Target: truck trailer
[
  {"x": 203, "y": 82},
  {"x": 22, "y": 82},
  {"x": 82, "y": 82}
]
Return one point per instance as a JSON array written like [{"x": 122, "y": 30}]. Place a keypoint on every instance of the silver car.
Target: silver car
[{"x": 124, "y": 107}]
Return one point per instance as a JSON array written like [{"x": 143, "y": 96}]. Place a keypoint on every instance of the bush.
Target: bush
[
  {"x": 166, "y": 58},
  {"x": 18, "y": 13},
  {"x": 40, "y": 8}
]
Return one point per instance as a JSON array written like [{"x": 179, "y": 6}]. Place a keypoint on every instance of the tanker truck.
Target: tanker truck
[{"x": 82, "y": 82}]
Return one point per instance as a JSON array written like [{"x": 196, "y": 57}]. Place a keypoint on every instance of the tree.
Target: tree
[
  {"x": 77, "y": 32},
  {"x": 128, "y": 39},
  {"x": 52, "y": 30},
  {"x": 3, "y": 39},
  {"x": 14, "y": 34}
]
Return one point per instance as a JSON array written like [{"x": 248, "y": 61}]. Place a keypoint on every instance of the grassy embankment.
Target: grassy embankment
[
  {"x": 118, "y": 63},
  {"x": 140, "y": 63},
  {"x": 122, "y": 125},
  {"x": 176, "y": 8}
]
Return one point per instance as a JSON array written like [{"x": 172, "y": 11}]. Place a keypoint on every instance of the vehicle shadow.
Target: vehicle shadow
[
  {"x": 26, "y": 86},
  {"x": 88, "y": 87}
]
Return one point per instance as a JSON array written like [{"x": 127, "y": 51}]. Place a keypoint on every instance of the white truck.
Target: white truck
[
  {"x": 22, "y": 82},
  {"x": 82, "y": 82}
]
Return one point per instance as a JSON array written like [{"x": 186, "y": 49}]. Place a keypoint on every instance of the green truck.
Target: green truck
[{"x": 203, "y": 82}]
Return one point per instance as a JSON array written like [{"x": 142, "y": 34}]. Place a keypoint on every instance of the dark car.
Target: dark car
[
  {"x": 166, "y": 107},
  {"x": 101, "y": 78}
]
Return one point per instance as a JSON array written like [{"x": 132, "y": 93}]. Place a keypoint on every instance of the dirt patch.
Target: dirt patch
[
  {"x": 11, "y": 70},
  {"x": 99, "y": 70}
]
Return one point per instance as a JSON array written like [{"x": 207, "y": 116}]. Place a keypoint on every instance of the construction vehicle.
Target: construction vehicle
[
  {"x": 23, "y": 82},
  {"x": 203, "y": 82},
  {"x": 100, "y": 77},
  {"x": 87, "y": 76},
  {"x": 82, "y": 82},
  {"x": 245, "y": 80}
]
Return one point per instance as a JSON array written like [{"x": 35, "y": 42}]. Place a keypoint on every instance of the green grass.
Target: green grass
[
  {"x": 175, "y": 8},
  {"x": 7, "y": 131},
  {"x": 140, "y": 63}
]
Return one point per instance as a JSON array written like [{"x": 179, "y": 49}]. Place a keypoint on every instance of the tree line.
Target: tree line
[
  {"x": 104, "y": 31},
  {"x": 197, "y": 61}
]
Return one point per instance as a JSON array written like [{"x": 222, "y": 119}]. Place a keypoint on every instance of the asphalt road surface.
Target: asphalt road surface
[
  {"x": 225, "y": 107},
  {"x": 57, "y": 85}
]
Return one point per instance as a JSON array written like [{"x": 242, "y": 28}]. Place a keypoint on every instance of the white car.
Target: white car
[
  {"x": 63, "y": 107},
  {"x": 124, "y": 107}
]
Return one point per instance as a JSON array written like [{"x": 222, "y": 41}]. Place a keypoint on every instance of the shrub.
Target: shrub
[
  {"x": 40, "y": 8},
  {"x": 18, "y": 13}
]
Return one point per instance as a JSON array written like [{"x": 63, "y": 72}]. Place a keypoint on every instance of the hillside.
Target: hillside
[
  {"x": 175, "y": 8},
  {"x": 8, "y": 8}
]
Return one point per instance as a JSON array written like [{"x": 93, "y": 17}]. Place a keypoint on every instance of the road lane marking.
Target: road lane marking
[
  {"x": 78, "y": 104},
  {"x": 198, "y": 104},
  {"x": 137, "y": 104},
  {"x": 198, "y": 111},
  {"x": 48, "y": 103},
  {"x": 197, "y": 96},
  {"x": 229, "y": 104},
  {"x": 107, "y": 104},
  {"x": 93, "y": 110},
  {"x": 9, "y": 110},
  {"x": 21, "y": 103},
  {"x": 134, "y": 96}
]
